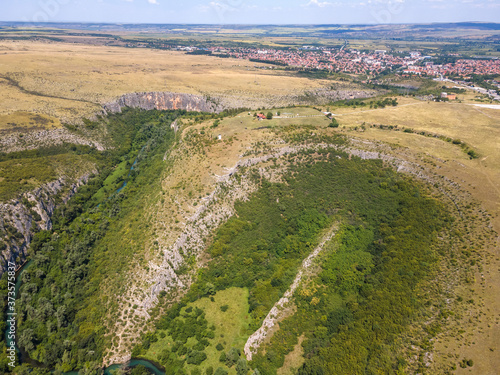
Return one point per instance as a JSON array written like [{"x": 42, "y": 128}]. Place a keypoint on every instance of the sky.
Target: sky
[{"x": 251, "y": 11}]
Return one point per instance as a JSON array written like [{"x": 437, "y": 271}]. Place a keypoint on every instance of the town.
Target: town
[{"x": 372, "y": 63}]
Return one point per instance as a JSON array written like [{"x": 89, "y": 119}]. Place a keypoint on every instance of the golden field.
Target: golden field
[{"x": 70, "y": 81}]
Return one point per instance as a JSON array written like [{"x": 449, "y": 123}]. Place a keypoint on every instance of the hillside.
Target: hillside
[{"x": 212, "y": 216}]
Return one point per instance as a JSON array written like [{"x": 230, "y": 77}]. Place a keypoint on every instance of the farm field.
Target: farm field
[{"x": 67, "y": 82}]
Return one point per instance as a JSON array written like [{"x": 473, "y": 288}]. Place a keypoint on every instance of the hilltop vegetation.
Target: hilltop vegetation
[
  {"x": 384, "y": 256},
  {"x": 369, "y": 299}
]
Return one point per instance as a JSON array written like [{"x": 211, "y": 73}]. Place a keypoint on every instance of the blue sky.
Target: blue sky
[{"x": 251, "y": 11}]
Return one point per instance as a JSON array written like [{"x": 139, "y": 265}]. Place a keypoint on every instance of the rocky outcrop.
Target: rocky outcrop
[
  {"x": 43, "y": 138},
  {"x": 277, "y": 312},
  {"x": 21, "y": 218},
  {"x": 164, "y": 101}
]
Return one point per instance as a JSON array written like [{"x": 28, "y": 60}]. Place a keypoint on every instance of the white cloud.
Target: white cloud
[
  {"x": 153, "y": 2},
  {"x": 317, "y": 3}
]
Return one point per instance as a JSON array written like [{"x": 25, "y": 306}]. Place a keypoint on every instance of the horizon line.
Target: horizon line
[{"x": 250, "y": 24}]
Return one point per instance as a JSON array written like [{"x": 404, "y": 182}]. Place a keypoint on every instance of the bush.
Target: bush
[
  {"x": 242, "y": 367},
  {"x": 334, "y": 123},
  {"x": 224, "y": 308},
  {"x": 195, "y": 357},
  {"x": 232, "y": 357},
  {"x": 472, "y": 154},
  {"x": 220, "y": 371}
]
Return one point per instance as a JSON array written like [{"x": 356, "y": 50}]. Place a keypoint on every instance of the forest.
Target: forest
[{"x": 57, "y": 326}]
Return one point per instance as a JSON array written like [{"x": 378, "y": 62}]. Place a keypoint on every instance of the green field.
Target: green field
[{"x": 231, "y": 328}]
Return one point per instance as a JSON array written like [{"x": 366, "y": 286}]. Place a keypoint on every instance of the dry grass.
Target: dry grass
[
  {"x": 70, "y": 81},
  {"x": 293, "y": 360},
  {"x": 20, "y": 120}
]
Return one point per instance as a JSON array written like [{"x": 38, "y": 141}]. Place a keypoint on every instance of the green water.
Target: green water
[
  {"x": 136, "y": 362},
  {"x": 132, "y": 363}
]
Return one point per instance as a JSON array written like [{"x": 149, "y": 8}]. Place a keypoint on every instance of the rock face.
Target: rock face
[
  {"x": 20, "y": 219},
  {"x": 164, "y": 101},
  {"x": 43, "y": 138}
]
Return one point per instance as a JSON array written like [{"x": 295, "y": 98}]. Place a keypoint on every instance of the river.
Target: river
[{"x": 24, "y": 358}]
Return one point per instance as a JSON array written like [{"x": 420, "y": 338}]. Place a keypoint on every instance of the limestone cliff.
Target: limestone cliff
[
  {"x": 164, "y": 101},
  {"x": 21, "y": 218}
]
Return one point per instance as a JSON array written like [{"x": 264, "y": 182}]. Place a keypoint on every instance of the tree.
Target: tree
[
  {"x": 334, "y": 123},
  {"x": 269, "y": 115},
  {"x": 220, "y": 371},
  {"x": 140, "y": 370},
  {"x": 222, "y": 357},
  {"x": 232, "y": 357},
  {"x": 195, "y": 357},
  {"x": 242, "y": 367},
  {"x": 209, "y": 289}
]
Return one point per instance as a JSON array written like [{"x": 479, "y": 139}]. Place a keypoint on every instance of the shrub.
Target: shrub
[
  {"x": 242, "y": 367},
  {"x": 472, "y": 154},
  {"x": 334, "y": 123},
  {"x": 232, "y": 357},
  {"x": 195, "y": 357}
]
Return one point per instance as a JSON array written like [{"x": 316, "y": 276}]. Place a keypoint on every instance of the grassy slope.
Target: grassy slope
[
  {"x": 25, "y": 174},
  {"x": 480, "y": 177}
]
